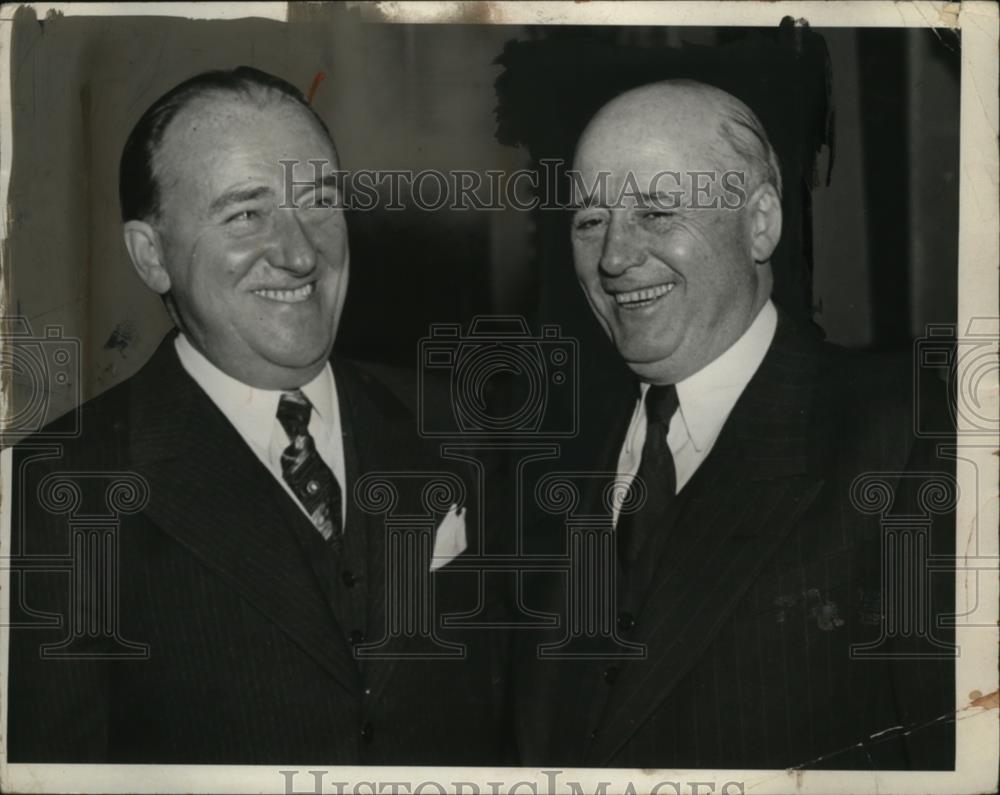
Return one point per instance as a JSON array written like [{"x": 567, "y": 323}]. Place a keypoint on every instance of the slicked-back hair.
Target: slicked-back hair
[
  {"x": 742, "y": 130},
  {"x": 138, "y": 189}
]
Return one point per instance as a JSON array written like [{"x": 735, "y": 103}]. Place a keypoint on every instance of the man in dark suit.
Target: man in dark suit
[
  {"x": 242, "y": 588},
  {"x": 751, "y": 626}
]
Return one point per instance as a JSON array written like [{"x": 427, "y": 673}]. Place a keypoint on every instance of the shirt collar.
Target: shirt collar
[
  {"x": 253, "y": 411},
  {"x": 707, "y": 397}
]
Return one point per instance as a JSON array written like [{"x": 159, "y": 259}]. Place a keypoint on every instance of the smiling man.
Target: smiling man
[
  {"x": 675, "y": 279},
  {"x": 245, "y": 581},
  {"x": 750, "y": 626},
  {"x": 255, "y": 288}
]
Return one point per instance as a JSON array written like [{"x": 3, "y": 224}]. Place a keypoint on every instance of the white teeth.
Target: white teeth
[
  {"x": 644, "y": 295},
  {"x": 288, "y": 296}
]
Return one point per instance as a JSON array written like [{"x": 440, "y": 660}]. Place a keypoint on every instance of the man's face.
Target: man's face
[
  {"x": 259, "y": 288},
  {"x": 673, "y": 286}
]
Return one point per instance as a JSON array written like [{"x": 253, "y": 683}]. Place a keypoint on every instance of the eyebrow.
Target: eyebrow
[
  {"x": 236, "y": 196},
  {"x": 662, "y": 200},
  {"x": 665, "y": 199},
  {"x": 331, "y": 180}
]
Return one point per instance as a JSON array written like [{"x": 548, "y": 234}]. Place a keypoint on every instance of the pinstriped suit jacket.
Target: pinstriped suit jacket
[
  {"x": 759, "y": 588},
  {"x": 246, "y": 661}
]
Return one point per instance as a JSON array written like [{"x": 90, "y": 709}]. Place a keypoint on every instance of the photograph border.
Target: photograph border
[{"x": 976, "y": 720}]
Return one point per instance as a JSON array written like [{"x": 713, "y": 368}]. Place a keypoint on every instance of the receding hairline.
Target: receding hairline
[
  {"x": 655, "y": 96},
  {"x": 252, "y": 96},
  {"x": 734, "y": 123}
]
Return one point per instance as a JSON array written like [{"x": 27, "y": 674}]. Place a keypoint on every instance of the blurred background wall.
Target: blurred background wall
[{"x": 877, "y": 223}]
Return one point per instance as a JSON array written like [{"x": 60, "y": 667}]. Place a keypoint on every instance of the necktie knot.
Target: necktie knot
[
  {"x": 294, "y": 410},
  {"x": 661, "y": 403}
]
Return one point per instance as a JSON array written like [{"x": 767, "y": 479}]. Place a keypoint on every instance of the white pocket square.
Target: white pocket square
[{"x": 449, "y": 540}]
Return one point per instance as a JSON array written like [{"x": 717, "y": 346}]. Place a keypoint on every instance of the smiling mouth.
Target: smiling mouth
[
  {"x": 635, "y": 299},
  {"x": 295, "y": 296}
]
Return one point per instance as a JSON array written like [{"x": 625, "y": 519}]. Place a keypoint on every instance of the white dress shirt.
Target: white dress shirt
[
  {"x": 254, "y": 414},
  {"x": 706, "y": 398}
]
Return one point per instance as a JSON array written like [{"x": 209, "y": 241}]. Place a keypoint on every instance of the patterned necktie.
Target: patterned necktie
[
  {"x": 656, "y": 473},
  {"x": 304, "y": 471}
]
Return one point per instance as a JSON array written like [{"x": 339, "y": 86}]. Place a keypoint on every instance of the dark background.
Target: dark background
[{"x": 865, "y": 122}]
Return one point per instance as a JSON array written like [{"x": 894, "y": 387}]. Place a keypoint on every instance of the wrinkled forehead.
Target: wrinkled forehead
[
  {"x": 647, "y": 163},
  {"x": 262, "y": 119},
  {"x": 223, "y": 137},
  {"x": 650, "y": 137}
]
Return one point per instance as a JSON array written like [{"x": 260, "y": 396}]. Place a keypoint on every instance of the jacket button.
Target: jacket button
[
  {"x": 626, "y": 621},
  {"x": 349, "y": 579},
  {"x": 357, "y": 636},
  {"x": 367, "y": 733},
  {"x": 611, "y": 674}
]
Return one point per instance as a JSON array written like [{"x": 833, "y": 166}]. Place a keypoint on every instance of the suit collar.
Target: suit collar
[
  {"x": 774, "y": 419},
  {"x": 770, "y": 430},
  {"x": 253, "y": 411},
  {"x": 163, "y": 401},
  {"x": 707, "y": 397},
  {"x": 166, "y": 391}
]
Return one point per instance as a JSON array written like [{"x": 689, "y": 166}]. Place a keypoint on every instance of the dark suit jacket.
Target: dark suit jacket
[
  {"x": 246, "y": 662},
  {"x": 757, "y": 590}
]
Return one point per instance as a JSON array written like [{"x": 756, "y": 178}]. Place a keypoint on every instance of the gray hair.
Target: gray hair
[{"x": 744, "y": 133}]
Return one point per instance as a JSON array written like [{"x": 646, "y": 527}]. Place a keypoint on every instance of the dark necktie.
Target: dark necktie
[
  {"x": 309, "y": 478},
  {"x": 656, "y": 473}
]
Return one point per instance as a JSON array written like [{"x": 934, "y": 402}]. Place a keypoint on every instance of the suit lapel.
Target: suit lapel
[
  {"x": 741, "y": 503},
  {"x": 211, "y": 493},
  {"x": 379, "y": 436}
]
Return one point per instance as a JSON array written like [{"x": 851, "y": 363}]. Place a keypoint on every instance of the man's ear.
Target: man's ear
[
  {"x": 765, "y": 222},
  {"x": 146, "y": 251}
]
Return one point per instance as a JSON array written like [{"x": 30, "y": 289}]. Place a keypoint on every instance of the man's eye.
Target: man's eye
[
  {"x": 326, "y": 198},
  {"x": 586, "y": 223},
  {"x": 243, "y": 215},
  {"x": 656, "y": 215}
]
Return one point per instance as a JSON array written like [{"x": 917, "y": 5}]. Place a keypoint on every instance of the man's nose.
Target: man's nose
[
  {"x": 621, "y": 248},
  {"x": 297, "y": 250}
]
